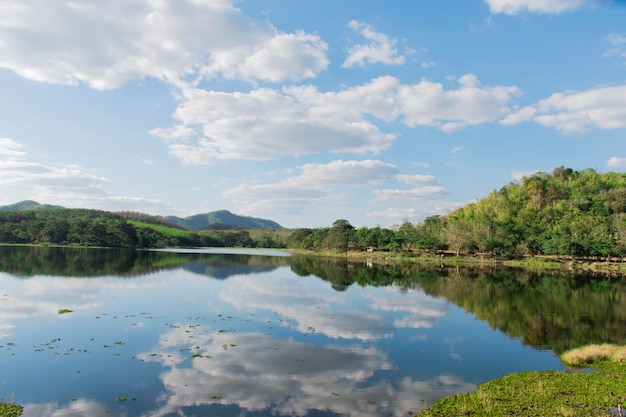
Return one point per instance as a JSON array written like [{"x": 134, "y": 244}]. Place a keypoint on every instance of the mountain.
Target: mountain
[
  {"x": 223, "y": 219},
  {"x": 28, "y": 205}
]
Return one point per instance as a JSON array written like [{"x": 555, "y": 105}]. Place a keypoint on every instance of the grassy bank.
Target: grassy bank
[{"x": 548, "y": 393}]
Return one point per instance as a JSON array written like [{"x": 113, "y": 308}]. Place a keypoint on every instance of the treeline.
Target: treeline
[
  {"x": 567, "y": 212},
  {"x": 86, "y": 227}
]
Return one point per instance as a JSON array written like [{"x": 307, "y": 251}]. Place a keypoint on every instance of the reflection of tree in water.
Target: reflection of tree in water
[
  {"x": 93, "y": 262},
  {"x": 73, "y": 262},
  {"x": 551, "y": 310}
]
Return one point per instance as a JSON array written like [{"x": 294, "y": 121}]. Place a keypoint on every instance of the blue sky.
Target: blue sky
[{"x": 304, "y": 112}]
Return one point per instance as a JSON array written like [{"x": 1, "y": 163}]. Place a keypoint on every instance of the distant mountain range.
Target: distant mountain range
[{"x": 220, "y": 220}]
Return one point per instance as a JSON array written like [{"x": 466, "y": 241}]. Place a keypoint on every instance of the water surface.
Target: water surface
[{"x": 193, "y": 333}]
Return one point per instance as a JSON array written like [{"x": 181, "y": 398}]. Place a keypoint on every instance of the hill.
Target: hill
[
  {"x": 566, "y": 212},
  {"x": 28, "y": 205},
  {"x": 223, "y": 220},
  {"x": 215, "y": 220}
]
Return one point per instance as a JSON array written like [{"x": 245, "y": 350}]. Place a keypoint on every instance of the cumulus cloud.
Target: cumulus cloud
[
  {"x": 577, "y": 112},
  {"x": 380, "y": 49},
  {"x": 87, "y": 42},
  {"x": 429, "y": 104},
  {"x": 266, "y": 123},
  {"x": 314, "y": 185},
  {"x": 513, "y": 7},
  {"x": 615, "y": 162}
]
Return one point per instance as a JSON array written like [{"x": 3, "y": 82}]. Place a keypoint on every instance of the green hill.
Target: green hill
[
  {"x": 27, "y": 205},
  {"x": 222, "y": 220}
]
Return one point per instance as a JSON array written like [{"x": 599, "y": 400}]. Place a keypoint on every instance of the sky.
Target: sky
[{"x": 304, "y": 112}]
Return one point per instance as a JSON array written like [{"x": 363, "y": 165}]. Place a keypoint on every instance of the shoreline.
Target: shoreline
[{"x": 535, "y": 263}]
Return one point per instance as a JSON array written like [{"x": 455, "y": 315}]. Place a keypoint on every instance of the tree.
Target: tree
[{"x": 341, "y": 236}]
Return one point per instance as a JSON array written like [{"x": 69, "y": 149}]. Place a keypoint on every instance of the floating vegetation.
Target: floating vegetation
[
  {"x": 120, "y": 399},
  {"x": 10, "y": 410},
  {"x": 65, "y": 311}
]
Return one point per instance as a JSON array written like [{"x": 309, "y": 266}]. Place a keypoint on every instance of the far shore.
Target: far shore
[{"x": 612, "y": 266}]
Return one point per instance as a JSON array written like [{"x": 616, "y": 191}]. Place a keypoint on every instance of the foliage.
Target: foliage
[
  {"x": 546, "y": 393},
  {"x": 10, "y": 410},
  {"x": 565, "y": 213},
  {"x": 576, "y": 213},
  {"x": 83, "y": 227},
  {"x": 66, "y": 226}
]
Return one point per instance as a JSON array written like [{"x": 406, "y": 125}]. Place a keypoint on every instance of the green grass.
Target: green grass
[
  {"x": 547, "y": 393},
  {"x": 10, "y": 410},
  {"x": 170, "y": 232}
]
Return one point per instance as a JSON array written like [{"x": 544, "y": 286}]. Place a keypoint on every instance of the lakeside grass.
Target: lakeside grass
[{"x": 548, "y": 393}]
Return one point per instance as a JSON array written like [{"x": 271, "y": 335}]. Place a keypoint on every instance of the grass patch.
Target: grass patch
[
  {"x": 170, "y": 232},
  {"x": 591, "y": 354},
  {"x": 10, "y": 410},
  {"x": 548, "y": 393}
]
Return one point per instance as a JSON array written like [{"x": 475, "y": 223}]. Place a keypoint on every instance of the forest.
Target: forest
[
  {"x": 87, "y": 227},
  {"x": 566, "y": 212}
]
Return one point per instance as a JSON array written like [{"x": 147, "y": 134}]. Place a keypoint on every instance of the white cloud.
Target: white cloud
[
  {"x": 267, "y": 123},
  {"x": 10, "y": 148},
  {"x": 615, "y": 162},
  {"x": 415, "y": 212},
  {"x": 428, "y": 104},
  {"x": 426, "y": 192},
  {"x": 89, "y": 42},
  {"x": 67, "y": 185},
  {"x": 294, "y": 56},
  {"x": 380, "y": 49},
  {"x": 617, "y": 43},
  {"x": 577, "y": 112},
  {"x": 518, "y": 175},
  {"x": 314, "y": 185},
  {"x": 417, "y": 179},
  {"x": 457, "y": 149},
  {"x": 512, "y": 7}
]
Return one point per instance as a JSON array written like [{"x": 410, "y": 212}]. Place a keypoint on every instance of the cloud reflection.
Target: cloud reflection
[
  {"x": 315, "y": 306},
  {"x": 259, "y": 373}
]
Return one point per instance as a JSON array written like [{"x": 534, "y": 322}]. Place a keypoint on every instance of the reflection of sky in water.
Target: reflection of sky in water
[{"x": 273, "y": 343}]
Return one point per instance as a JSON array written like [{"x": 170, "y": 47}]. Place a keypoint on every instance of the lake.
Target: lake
[{"x": 236, "y": 332}]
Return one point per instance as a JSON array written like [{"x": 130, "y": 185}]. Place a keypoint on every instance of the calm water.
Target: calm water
[{"x": 227, "y": 334}]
